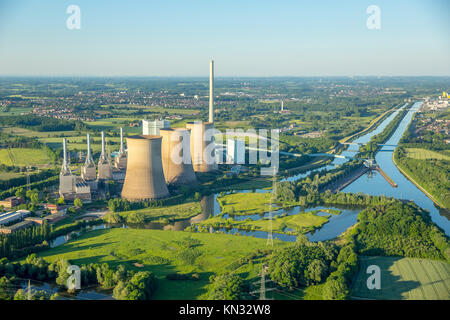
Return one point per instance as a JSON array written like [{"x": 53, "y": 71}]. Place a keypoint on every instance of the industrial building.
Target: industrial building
[
  {"x": 105, "y": 171},
  {"x": 16, "y": 227},
  {"x": 235, "y": 151},
  {"x": 150, "y": 127},
  {"x": 176, "y": 156},
  {"x": 13, "y": 216},
  {"x": 11, "y": 202},
  {"x": 144, "y": 179},
  {"x": 71, "y": 186}
]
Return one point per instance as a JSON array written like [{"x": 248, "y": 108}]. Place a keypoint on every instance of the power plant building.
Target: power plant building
[
  {"x": 150, "y": 127},
  {"x": 144, "y": 179},
  {"x": 235, "y": 151},
  {"x": 176, "y": 156},
  {"x": 71, "y": 186}
]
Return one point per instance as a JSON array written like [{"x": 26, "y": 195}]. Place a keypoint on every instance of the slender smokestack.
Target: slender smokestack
[
  {"x": 64, "y": 152},
  {"x": 211, "y": 91},
  {"x": 103, "y": 145},
  {"x": 89, "y": 159},
  {"x": 65, "y": 166},
  {"x": 121, "y": 151}
]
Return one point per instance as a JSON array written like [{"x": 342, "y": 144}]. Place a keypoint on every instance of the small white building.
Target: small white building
[
  {"x": 235, "y": 151},
  {"x": 152, "y": 127}
]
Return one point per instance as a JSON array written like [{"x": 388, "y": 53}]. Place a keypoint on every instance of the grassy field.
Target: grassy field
[
  {"x": 23, "y": 157},
  {"x": 303, "y": 222},
  {"x": 159, "y": 252},
  {"x": 175, "y": 212},
  {"x": 245, "y": 203},
  {"x": 256, "y": 183},
  {"x": 76, "y": 143},
  {"x": 10, "y": 175},
  {"x": 424, "y": 154},
  {"x": 36, "y": 134},
  {"x": 156, "y": 109},
  {"x": 405, "y": 278}
]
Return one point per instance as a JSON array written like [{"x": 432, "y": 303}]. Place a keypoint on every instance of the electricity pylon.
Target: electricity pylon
[
  {"x": 262, "y": 285},
  {"x": 269, "y": 227}
]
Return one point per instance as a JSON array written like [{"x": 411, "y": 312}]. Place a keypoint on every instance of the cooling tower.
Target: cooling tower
[
  {"x": 176, "y": 156},
  {"x": 202, "y": 146},
  {"x": 145, "y": 177}
]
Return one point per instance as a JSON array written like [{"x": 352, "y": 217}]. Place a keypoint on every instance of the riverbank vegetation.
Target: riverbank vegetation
[
  {"x": 423, "y": 156},
  {"x": 158, "y": 214},
  {"x": 399, "y": 229},
  {"x": 126, "y": 284},
  {"x": 300, "y": 223}
]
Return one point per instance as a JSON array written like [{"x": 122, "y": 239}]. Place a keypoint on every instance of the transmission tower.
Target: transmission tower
[
  {"x": 262, "y": 285},
  {"x": 29, "y": 290},
  {"x": 269, "y": 231},
  {"x": 28, "y": 177}
]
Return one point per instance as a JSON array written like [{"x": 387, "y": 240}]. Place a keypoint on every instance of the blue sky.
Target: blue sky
[{"x": 245, "y": 38}]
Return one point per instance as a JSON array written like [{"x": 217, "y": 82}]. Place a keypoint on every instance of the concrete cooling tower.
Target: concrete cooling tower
[
  {"x": 202, "y": 151},
  {"x": 176, "y": 156},
  {"x": 144, "y": 179}
]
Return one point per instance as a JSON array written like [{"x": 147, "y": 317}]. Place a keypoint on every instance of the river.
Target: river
[{"x": 375, "y": 184}]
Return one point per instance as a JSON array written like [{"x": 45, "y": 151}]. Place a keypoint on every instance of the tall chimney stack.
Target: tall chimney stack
[
  {"x": 65, "y": 170},
  {"x": 121, "y": 150},
  {"x": 103, "y": 145},
  {"x": 211, "y": 91},
  {"x": 89, "y": 159}
]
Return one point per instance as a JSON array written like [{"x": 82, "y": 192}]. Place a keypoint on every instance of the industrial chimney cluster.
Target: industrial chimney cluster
[
  {"x": 155, "y": 159},
  {"x": 71, "y": 186}
]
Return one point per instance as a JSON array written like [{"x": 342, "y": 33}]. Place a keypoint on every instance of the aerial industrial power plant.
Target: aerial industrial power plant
[
  {"x": 228, "y": 150},
  {"x": 159, "y": 157}
]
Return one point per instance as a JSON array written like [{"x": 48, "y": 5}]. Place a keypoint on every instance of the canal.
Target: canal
[{"x": 375, "y": 184}]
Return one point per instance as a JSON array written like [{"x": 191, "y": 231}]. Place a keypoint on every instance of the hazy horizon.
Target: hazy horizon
[{"x": 254, "y": 39}]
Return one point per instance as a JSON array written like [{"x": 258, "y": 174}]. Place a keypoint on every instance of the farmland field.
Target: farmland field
[
  {"x": 23, "y": 157},
  {"x": 405, "y": 278},
  {"x": 423, "y": 154}
]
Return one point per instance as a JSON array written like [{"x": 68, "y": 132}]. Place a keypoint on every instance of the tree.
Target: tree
[
  {"x": 61, "y": 201},
  {"x": 335, "y": 289},
  {"x": 316, "y": 271},
  {"x": 21, "y": 193},
  {"x": 226, "y": 287},
  {"x": 78, "y": 203}
]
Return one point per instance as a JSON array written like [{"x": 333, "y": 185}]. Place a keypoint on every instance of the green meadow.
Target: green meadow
[
  {"x": 166, "y": 252},
  {"x": 23, "y": 157},
  {"x": 404, "y": 278},
  {"x": 245, "y": 203},
  {"x": 424, "y": 154}
]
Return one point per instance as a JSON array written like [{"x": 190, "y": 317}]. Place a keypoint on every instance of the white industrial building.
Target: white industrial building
[
  {"x": 12, "y": 216},
  {"x": 235, "y": 151},
  {"x": 152, "y": 127}
]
